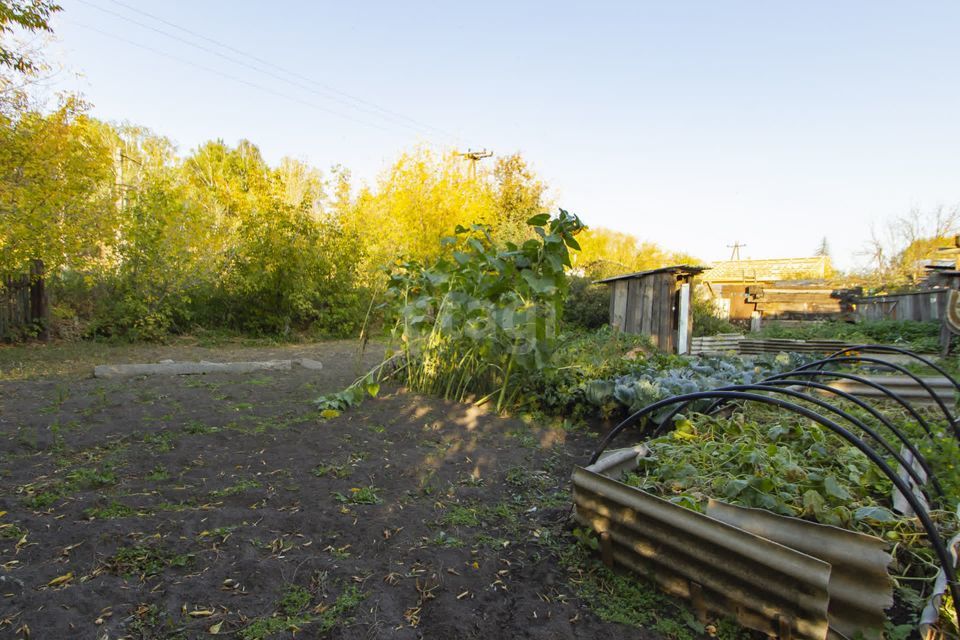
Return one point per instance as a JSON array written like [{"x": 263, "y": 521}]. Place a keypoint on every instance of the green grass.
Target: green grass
[
  {"x": 111, "y": 511},
  {"x": 86, "y": 478},
  {"x": 195, "y": 427},
  {"x": 145, "y": 561},
  {"x": 916, "y": 336},
  {"x": 445, "y": 540},
  {"x": 79, "y": 479},
  {"x": 359, "y": 495},
  {"x": 158, "y": 474},
  {"x": 290, "y": 616},
  {"x": 336, "y": 470},
  {"x": 41, "y": 500},
  {"x": 239, "y": 486},
  {"x": 160, "y": 442},
  {"x": 295, "y": 599},
  {"x": 460, "y": 516},
  {"x": 624, "y": 598}
]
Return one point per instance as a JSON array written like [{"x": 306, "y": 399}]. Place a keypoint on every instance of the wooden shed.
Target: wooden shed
[{"x": 656, "y": 303}]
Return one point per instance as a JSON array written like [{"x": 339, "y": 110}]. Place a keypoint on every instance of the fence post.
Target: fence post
[{"x": 38, "y": 299}]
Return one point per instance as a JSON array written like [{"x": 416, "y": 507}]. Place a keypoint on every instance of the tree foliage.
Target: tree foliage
[
  {"x": 899, "y": 249},
  {"x": 606, "y": 253},
  {"x": 55, "y": 189},
  {"x": 141, "y": 241},
  {"x": 27, "y": 15},
  {"x": 423, "y": 195}
]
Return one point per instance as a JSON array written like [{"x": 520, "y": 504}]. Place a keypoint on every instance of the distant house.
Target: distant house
[{"x": 780, "y": 288}]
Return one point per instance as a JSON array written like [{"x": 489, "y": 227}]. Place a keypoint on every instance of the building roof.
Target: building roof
[
  {"x": 771, "y": 270},
  {"x": 681, "y": 269}
]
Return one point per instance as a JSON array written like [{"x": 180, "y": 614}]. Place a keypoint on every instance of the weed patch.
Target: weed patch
[
  {"x": 111, "y": 511},
  {"x": 359, "y": 495},
  {"x": 145, "y": 561},
  {"x": 295, "y": 600},
  {"x": 460, "y": 516},
  {"x": 238, "y": 487}
]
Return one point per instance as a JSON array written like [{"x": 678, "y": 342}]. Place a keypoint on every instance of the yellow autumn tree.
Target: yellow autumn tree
[
  {"x": 56, "y": 188},
  {"x": 424, "y": 195},
  {"x": 605, "y": 252}
]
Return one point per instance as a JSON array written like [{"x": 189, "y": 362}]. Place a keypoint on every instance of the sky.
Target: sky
[{"x": 694, "y": 125}]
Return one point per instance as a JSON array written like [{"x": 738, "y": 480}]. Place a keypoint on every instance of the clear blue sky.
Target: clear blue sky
[{"x": 691, "y": 124}]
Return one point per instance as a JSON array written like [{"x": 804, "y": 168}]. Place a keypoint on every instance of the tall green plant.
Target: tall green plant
[{"x": 478, "y": 319}]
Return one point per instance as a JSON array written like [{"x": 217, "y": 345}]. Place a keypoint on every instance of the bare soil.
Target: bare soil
[{"x": 174, "y": 507}]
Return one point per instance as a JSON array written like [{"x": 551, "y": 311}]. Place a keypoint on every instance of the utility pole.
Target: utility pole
[
  {"x": 120, "y": 185},
  {"x": 474, "y": 157},
  {"x": 118, "y": 163},
  {"x": 736, "y": 246}
]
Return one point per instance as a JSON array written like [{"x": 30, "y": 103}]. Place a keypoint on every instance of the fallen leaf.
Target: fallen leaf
[{"x": 60, "y": 580}]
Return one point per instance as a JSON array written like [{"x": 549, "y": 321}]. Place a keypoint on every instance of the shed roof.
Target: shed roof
[
  {"x": 769, "y": 270},
  {"x": 681, "y": 269}
]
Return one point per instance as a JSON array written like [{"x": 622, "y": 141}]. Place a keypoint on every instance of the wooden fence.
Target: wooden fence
[
  {"x": 924, "y": 306},
  {"x": 23, "y": 304}
]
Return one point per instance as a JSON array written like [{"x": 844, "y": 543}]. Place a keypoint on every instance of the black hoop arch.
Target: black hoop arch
[{"x": 919, "y": 509}]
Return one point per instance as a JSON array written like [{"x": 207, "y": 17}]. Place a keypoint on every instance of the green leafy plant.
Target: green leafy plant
[
  {"x": 359, "y": 495},
  {"x": 764, "y": 458},
  {"x": 482, "y": 316}
]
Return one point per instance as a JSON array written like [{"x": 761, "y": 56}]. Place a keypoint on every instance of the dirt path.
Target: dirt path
[{"x": 173, "y": 507}]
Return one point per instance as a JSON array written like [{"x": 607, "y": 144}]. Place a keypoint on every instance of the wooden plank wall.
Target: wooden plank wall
[
  {"x": 649, "y": 308},
  {"x": 781, "y": 302},
  {"x": 924, "y": 306},
  {"x": 618, "y": 305},
  {"x": 648, "y": 305}
]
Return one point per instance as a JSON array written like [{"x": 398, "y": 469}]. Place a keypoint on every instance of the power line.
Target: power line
[
  {"x": 227, "y": 75},
  {"x": 232, "y": 60},
  {"x": 324, "y": 89}
]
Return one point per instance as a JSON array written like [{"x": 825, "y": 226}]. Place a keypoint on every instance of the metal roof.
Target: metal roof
[{"x": 682, "y": 269}]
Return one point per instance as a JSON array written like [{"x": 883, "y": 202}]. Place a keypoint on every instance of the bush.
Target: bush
[
  {"x": 482, "y": 318},
  {"x": 705, "y": 319},
  {"x": 587, "y": 306},
  {"x": 288, "y": 272}
]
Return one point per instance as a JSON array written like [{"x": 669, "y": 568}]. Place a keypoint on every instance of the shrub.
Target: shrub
[
  {"x": 481, "y": 317},
  {"x": 917, "y": 336},
  {"x": 587, "y": 305},
  {"x": 705, "y": 319}
]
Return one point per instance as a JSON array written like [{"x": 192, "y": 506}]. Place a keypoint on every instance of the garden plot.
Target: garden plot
[
  {"x": 767, "y": 517},
  {"x": 187, "y": 507}
]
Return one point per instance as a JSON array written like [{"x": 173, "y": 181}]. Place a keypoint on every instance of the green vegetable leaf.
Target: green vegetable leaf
[
  {"x": 875, "y": 513},
  {"x": 834, "y": 488}
]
